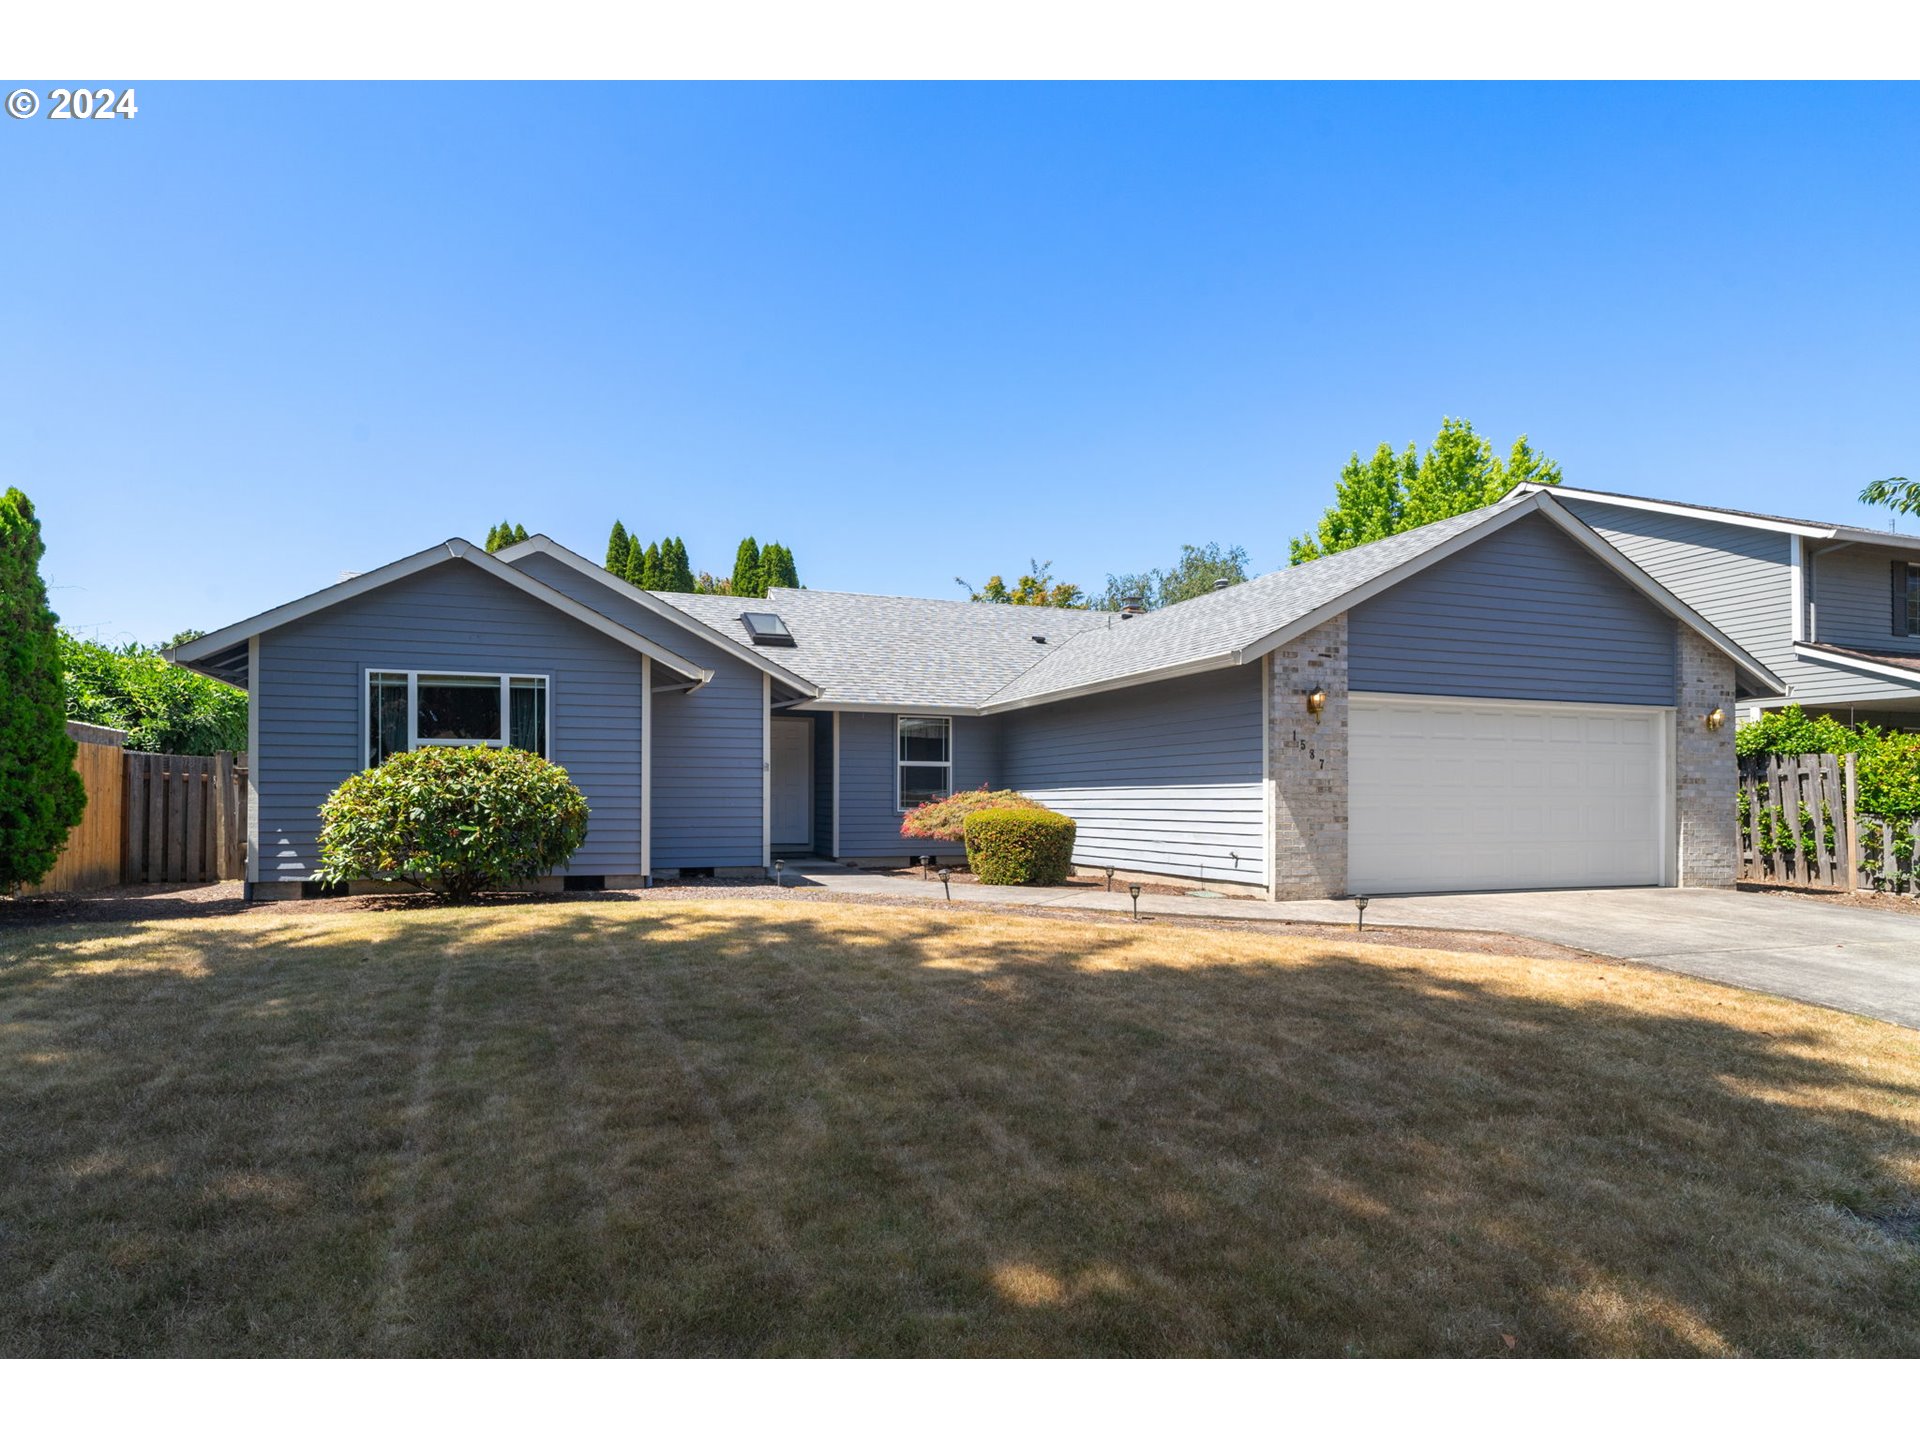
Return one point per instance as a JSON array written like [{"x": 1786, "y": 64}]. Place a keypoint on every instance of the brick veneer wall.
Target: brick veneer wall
[
  {"x": 1706, "y": 775},
  {"x": 1307, "y": 765}
]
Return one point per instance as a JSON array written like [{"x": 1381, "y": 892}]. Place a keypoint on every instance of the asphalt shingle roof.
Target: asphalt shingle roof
[
  {"x": 1217, "y": 624},
  {"x": 893, "y": 650},
  {"x": 896, "y": 650}
]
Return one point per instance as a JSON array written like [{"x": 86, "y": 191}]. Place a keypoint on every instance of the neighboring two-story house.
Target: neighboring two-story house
[{"x": 1833, "y": 610}]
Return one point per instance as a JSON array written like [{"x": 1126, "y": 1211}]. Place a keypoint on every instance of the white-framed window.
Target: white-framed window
[
  {"x": 410, "y": 708},
  {"x": 923, "y": 748}
]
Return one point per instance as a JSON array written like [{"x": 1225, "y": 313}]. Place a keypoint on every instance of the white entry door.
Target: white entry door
[
  {"x": 792, "y": 782},
  {"x": 1506, "y": 795}
]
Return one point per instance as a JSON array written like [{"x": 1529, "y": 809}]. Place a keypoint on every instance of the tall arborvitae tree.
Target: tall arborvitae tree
[
  {"x": 650, "y": 569},
  {"x": 41, "y": 794},
  {"x": 777, "y": 569},
  {"x": 503, "y": 535},
  {"x": 678, "y": 574},
  {"x": 746, "y": 569},
  {"x": 617, "y": 547}
]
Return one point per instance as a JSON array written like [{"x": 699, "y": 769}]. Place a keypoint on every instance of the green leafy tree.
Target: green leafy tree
[
  {"x": 708, "y": 583},
  {"x": 1397, "y": 491},
  {"x": 746, "y": 570},
  {"x": 41, "y": 795},
  {"x": 777, "y": 570},
  {"x": 1897, "y": 493},
  {"x": 1196, "y": 572},
  {"x": 1036, "y": 587},
  {"x": 163, "y": 707},
  {"x": 617, "y": 547}
]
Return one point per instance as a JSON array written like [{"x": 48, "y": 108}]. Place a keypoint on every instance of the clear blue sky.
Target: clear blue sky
[{"x": 261, "y": 335}]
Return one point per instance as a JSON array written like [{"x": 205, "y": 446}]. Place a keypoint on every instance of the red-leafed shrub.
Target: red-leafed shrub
[{"x": 943, "y": 819}]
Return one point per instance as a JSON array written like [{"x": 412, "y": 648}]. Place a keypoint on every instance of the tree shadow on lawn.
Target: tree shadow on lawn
[{"x": 766, "y": 1129}]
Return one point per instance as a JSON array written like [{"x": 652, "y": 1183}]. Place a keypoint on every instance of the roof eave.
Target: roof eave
[
  {"x": 692, "y": 624},
  {"x": 195, "y": 654}
]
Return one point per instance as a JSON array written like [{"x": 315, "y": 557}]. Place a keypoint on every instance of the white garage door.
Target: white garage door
[{"x": 1499, "y": 795}]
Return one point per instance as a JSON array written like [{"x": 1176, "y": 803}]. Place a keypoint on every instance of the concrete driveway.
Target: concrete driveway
[{"x": 1866, "y": 961}]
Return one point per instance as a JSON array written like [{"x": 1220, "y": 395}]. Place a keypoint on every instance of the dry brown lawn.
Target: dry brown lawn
[{"x": 766, "y": 1127}]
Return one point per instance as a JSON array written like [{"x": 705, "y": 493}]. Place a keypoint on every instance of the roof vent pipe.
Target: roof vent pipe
[
  {"x": 1222, "y": 583},
  {"x": 1130, "y": 606}
]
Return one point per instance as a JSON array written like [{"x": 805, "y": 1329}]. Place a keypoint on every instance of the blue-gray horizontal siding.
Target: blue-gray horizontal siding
[
  {"x": 310, "y": 693},
  {"x": 1525, "y": 614},
  {"x": 707, "y": 745},
  {"x": 1853, "y": 598},
  {"x": 1739, "y": 578},
  {"x": 869, "y": 776},
  {"x": 1164, "y": 778}
]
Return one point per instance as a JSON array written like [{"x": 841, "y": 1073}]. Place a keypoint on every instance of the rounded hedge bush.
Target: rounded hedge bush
[
  {"x": 1019, "y": 847},
  {"x": 456, "y": 819}
]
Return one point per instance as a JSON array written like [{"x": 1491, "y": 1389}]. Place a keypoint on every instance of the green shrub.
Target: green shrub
[
  {"x": 1019, "y": 846},
  {"x": 942, "y": 819},
  {"x": 456, "y": 819},
  {"x": 1887, "y": 763},
  {"x": 163, "y": 708}
]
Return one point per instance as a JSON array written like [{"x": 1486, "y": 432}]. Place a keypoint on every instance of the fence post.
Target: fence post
[{"x": 1852, "y": 805}]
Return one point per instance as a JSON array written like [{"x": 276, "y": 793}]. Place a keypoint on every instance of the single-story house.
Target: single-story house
[{"x": 1499, "y": 700}]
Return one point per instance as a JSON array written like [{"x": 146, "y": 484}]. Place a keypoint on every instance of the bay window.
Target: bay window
[{"x": 410, "y": 708}]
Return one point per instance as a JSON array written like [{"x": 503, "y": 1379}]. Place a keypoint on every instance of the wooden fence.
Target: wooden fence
[
  {"x": 91, "y": 860},
  {"x": 1799, "y": 826},
  {"x": 185, "y": 818}
]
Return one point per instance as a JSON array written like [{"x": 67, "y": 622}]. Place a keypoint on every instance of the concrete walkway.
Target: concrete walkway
[{"x": 1857, "y": 959}]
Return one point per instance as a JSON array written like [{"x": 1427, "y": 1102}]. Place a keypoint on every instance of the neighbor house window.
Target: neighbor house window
[
  {"x": 1913, "y": 600},
  {"x": 410, "y": 708},
  {"x": 925, "y": 753}
]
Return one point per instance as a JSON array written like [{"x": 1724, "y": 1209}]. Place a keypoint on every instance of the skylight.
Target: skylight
[{"x": 764, "y": 629}]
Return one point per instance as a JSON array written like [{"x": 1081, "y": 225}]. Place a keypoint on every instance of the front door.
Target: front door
[{"x": 793, "y": 783}]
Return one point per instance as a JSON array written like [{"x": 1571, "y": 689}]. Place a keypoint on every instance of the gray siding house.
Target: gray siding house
[
  {"x": 1833, "y": 610},
  {"x": 1500, "y": 700}
]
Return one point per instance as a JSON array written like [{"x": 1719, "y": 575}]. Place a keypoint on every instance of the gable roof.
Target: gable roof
[
  {"x": 656, "y": 601},
  {"x": 889, "y": 652},
  {"x": 1243, "y": 623},
  {"x": 1748, "y": 519},
  {"x": 223, "y": 654}
]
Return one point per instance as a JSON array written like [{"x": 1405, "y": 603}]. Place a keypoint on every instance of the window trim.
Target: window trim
[
  {"x": 414, "y": 742},
  {"x": 1913, "y": 599},
  {"x": 899, "y": 764}
]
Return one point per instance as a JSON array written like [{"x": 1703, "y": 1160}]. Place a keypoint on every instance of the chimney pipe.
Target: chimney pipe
[{"x": 1130, "y": 606}]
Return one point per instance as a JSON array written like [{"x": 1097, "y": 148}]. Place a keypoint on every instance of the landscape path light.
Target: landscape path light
[
  {"x": 1134, "y": 891},
  {"x": 946, "y": 876},
  {"x": 1360, "y": 904}
]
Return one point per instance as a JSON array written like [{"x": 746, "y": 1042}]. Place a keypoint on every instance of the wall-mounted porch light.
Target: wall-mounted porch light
[
  {"x": 1715, "y": 718},
  {"x": 1316, "y": 701}
]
